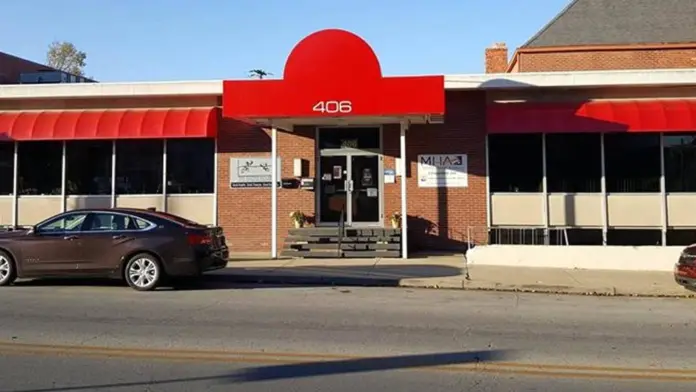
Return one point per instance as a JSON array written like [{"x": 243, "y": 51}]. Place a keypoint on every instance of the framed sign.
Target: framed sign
[
  {"x": 443, "y": 170},
  {"x": 252, "y": 172}
]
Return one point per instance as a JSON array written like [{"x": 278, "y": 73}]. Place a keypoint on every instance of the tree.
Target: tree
[
  {"x": 259, "y": 73},
  {"x": 66, "y": 57}
]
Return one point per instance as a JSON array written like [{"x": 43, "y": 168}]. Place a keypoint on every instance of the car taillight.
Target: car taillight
[{"x": 199, "y": 239}]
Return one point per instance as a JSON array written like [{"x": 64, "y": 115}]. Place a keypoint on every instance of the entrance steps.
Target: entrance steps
[{"x": 323, "y": 242}]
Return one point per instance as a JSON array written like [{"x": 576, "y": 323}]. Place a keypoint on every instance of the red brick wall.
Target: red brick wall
[
  {"x": 11, "y": 67},
  {"x": 439, "y": 217},
  {"x": 607, "y": 60}
]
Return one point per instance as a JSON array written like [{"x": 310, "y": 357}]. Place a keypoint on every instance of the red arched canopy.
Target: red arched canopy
[{"x": 333, "y": 73}]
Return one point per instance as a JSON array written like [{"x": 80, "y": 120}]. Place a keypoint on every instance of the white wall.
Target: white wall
[{"x": 627, "y": 258}]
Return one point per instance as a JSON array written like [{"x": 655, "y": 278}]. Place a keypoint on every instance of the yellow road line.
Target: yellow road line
[{"x": 277, "y": 358}]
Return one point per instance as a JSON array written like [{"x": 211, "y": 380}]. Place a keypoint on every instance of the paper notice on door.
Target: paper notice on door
[
  {"x": 326, "y": 177},
  {"x": 372, "y": 192},
  {"x": 337, "y": 172}
]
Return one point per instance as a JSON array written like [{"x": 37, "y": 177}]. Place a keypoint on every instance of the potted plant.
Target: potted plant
[
  {"x": 298, "y": 219},
  {"x": 395, "y": 220}
]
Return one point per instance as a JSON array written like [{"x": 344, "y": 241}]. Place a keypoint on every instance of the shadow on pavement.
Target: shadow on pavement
[
  {"x": 310, "y": 369},
  {"x": 255, "y": 278}
]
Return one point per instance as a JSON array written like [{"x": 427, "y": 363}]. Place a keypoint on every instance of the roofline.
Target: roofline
[
  {"x": 551, "y": 22},
  {"x": 596, "y": 48},
  {"x": 519, "y": 80}
]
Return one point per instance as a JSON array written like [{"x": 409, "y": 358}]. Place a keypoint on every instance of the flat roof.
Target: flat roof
[{"x": 623, "y": 78}]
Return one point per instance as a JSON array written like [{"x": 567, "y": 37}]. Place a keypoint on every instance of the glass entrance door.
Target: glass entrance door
[
  {"x": 333, "y": 188},
  {"x": 365, "y": 189},
  {"x": 352, "y": 184}
]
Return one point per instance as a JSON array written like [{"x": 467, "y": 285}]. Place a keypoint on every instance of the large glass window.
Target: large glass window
[
  {"x": 360, "y": 138},
  {"x": 190, "y": 166},
  {"x": 88, "y": 167},
  {"x": 632, "y": 162},
  {"x": 40, "y": 168},
  {"x": 680, "y": 163},
  {"x": 139, "y": 166},
  {"x": 573, "y": 163},
  {"x": 515, "y": 163},
  {"x": 6, "y": 168}
]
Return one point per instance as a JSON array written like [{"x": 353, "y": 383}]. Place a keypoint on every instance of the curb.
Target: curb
[{"x": 293, "y": 280}]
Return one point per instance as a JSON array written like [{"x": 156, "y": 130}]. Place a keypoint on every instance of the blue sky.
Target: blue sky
[{"x": 136, "y": 40}]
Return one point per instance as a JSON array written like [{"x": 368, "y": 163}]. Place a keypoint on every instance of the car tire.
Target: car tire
[
  {"x": 143, "y": 272},
  {"x": 8, "y": 269}
]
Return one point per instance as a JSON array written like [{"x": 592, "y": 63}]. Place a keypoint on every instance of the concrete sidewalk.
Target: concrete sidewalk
[{"x": 450, "y": 272}]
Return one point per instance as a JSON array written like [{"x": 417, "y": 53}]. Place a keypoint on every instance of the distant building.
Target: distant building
[
  {"x": 16, "y": 70},
  {"x": 594, "y": 35}
]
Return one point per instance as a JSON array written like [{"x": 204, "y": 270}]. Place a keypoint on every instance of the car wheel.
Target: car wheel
[
  {"x": 8, "y": 272},
  {"x": 143, "y": 272}
]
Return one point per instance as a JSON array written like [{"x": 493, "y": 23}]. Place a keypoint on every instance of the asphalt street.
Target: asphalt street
[{"x": 68, "y": 337}]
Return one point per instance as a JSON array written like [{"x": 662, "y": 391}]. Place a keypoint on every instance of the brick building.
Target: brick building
[
  {"x": 599, "y": 158},
  {"x": 591, "y": 35}
]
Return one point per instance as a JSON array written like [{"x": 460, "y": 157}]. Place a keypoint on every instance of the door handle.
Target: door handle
[
  {"x": 119, "y": 237},
  {"x": 70, "y": 237}
]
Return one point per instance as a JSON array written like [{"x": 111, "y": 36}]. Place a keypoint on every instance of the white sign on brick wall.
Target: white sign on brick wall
[{"x": 443, "y": 170}]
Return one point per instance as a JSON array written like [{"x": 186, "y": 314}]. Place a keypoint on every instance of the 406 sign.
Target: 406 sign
[{"x": 333, "y": 107}]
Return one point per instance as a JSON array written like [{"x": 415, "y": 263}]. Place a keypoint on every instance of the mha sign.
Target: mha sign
[{"x": 442, "y": 170}]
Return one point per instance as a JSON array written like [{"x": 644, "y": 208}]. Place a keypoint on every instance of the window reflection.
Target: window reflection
[
  {"x": 190, "y": 166},
  {"x": 139, "y": 165},
  {"x": 574, "y": 162},
  {"x": 515, "y": 163},
  {"x": 40, "y": 168},
  {"x": 680, "y": 162},
  {"x": 632, "y": 162},
  {"x": 6, "y": 168},
  {"x": 88, "y": 167}
]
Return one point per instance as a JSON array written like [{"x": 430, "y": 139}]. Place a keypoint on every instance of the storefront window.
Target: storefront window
[
  {"x": 574, "y": 163},
  {"x": 88, "y": 167},
  {"x": 139, "y": 165},
  {"x": 40, "y": 168},
  {"x": 680, "y": 162},
  {"x": 6, "y": 167},
  {"x": 632, "y": 162},
  {"x": 190, "y": 166},
  {"x": 359, "y": 138},
  {"x": 515, "y": 163}
]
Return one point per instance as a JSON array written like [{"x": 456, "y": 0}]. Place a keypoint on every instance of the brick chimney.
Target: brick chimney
[{"x": 497, "y": 58}]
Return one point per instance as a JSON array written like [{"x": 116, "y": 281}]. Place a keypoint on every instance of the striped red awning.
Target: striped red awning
[
  {"x": 109, "y": 124},
  {"x": 662, "y": 115}
]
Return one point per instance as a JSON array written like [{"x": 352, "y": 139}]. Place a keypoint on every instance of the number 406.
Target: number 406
[{"x": 332, "y": 107}]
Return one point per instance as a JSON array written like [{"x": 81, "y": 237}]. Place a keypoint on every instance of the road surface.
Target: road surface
[{"x": 55, "y": 336}]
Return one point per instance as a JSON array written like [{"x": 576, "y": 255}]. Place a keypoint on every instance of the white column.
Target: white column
[
  {"x": 215, "y": 184},
  {"x": 603, "y": 184},
  {"x": 113, "y": 174},
  {"x": 489, "y": 217},
  {"x": 164, "y": 175},
  {"x": 15, "y": 186},
  {"x": 274, "y": 192},
  {"x": 663, "y": 190},
  {"x": 63, "y": 177},
  {"x": 544, "y": 190},
  {"x": 404, "y": 201}
]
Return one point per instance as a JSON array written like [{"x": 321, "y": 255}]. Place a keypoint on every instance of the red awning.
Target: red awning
[
  {"x": 665, "y": 115},
  {"x": 109, "y": 124},
  {"x": 334, "y": 73}
]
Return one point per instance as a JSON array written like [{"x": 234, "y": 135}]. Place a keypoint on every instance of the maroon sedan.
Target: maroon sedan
[{"x": 141, "y": 246}]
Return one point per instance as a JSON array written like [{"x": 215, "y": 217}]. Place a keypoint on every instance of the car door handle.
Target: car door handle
[
  {"x": 70, "y": 237},
  {"x": 119, "y": 237}
]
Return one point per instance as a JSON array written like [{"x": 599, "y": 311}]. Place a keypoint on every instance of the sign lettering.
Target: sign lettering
[{"x": 333, "y": 107}]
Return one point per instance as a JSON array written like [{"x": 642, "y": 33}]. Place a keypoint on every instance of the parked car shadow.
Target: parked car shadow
[{"x": 263, "y": 277}]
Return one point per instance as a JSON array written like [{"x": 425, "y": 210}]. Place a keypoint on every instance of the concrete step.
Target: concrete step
[
  {"x": 356, "y": 254},
  {"x": 347, "y": 239},
  {"x": 344, "y": 246},
  {"x": 348, "y": 232}
]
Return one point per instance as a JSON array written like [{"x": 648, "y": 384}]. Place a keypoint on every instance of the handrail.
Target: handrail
[{"x": 341, "y": 231}]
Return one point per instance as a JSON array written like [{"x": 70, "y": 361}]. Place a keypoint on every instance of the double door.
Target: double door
[{"x": 350, "y": 184}]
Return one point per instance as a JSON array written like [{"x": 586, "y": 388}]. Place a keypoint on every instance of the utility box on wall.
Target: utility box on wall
[{"x": 300, "y": 167}]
